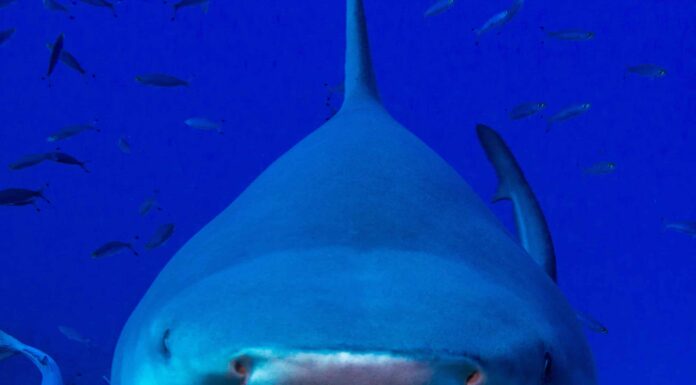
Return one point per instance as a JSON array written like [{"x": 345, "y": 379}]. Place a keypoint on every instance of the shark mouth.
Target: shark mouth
[{"x": 264, "y": 367}]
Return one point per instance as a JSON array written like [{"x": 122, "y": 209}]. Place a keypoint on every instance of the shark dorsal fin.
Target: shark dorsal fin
[{"x": 360, "y": 84}]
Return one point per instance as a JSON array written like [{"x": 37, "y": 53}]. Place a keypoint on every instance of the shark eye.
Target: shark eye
[{"x": 547, "y": 367}]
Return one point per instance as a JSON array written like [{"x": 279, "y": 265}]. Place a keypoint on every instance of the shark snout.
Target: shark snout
[{"x": 346, "y": 368}]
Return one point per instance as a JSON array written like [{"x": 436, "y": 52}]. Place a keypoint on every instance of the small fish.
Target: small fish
[
  {"x": 591, "y": 323},
  {"x": 570, "y": 112},
  {"x": 203, "y": 124},
  {"x": 102, "y": 4},
  {"x": 5, "y": 35},
  {"x": 189, "y": 3},
  {"x": 112, "y": 248},
  {"x": 601, "y": 168},
  {"x": 161, "y": 235},
  {"x": 439, "y": 7},
  {"x": 21, "y": 197},
  {"x": 70, "y": 131},
  {"x": 571, "y": 35},
  {"x": 148, "y": 204},
  {"x": 500, "y": 19},
  {"x": 647, "y": 70},
  {"x": 61, "y": 157},
  {"x": 69, "y": 60},
  {"x": 53, "y": 5},
  {"x": 29, "y": 161},
  {"x": 526, "y": 109},
  {"x": 123, "y": 145},
  {"x": 5, "y": 3},
  {"x": 686, "y": 227},
  {"x": 160, "y": 80},
  {"x": 56, "y": 49},
  {"x": 74, "y": 335}
]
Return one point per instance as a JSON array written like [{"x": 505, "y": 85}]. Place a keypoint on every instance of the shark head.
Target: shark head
[{"x": 359, "y": 257}]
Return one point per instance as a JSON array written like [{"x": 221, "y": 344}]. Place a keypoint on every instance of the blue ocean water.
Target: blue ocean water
[{"x": 261, "y": 68}]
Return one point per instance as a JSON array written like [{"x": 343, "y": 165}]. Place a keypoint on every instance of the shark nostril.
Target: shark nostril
[{"x": 475, "y": 378}]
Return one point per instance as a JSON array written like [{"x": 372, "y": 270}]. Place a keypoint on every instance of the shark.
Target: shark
[
  {"x": 50, "y": 372},
  {"x": 532, "y": 228},
  {"x": 359, "y": 256}
]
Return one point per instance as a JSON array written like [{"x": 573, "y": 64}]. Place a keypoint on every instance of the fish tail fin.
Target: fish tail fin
[
  {"x": 41, "y": 192},
  {"x": 360, "y": 83}
]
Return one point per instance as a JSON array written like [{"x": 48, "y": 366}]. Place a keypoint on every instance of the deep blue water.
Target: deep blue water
[{"x": 262, "y": 65}]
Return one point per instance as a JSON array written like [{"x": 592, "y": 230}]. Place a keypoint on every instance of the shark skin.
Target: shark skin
[
  {"x": 358, "y": 257},
  {"x": 50, "y": 372}
]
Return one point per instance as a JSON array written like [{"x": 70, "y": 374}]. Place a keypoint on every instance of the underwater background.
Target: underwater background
[{"x": 264, "y": 71}]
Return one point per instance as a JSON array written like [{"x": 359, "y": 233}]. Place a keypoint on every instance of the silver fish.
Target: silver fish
[
  {"x": 61, "y": 157},
  {"x": 189, "y": 3},
  {"x": 56, "y": 49},
  {"x": 685, "y": 227},
  {"x": 112, "y": 248},
  {"x": 572, "y": 35},
  {"x": 53, "y": 5},
  {"x": 601, "y": 168},
  {"x": 161, "y": 235},
  {"x": 148, "y": 205},
  {"x": 647, "y": 70},
  {"x": 526, "y": 109},
  {"x": 5, "y": 35},
  {"x": 567, "y": 113},
  {"x": 501, "y": 18},
  {"x": 73, "y": 335},
  {"x": 70, "y": 131},
  {"x": 439, "y": 7},
  {"x": 21, "y": 197},
  {"x": 102, "y": 4},
  {"x": 160, "y": 80},
  {"x": 69, "y": 60},
  {"x": 203, "y": 124},
  {"x": 123, "y": 145},
  {"x": 29, "y": 161}
]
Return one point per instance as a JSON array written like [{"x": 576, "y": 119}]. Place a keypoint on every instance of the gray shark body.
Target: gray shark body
[
  {"x": 50, "y": 372},
  {"x": 358, "y": 257}
]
